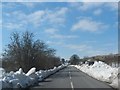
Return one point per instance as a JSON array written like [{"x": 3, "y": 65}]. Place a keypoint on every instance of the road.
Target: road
[{"x": 71, "y": 78}]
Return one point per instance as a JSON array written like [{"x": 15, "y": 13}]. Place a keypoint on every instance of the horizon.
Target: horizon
[{"x": 85, "y": 29}]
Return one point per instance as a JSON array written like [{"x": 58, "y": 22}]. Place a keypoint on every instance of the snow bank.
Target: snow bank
[
  {"x": 19, "y": 79},
  {"x": 101, "y": 71},
  {"x": 2, "y": 72}
]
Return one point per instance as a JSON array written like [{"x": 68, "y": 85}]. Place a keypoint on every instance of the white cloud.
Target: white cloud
[
  {"x": 57, "y": 16},
  {"x": 87, "y": 24},
  {"x": 99, "y": 0},
  {"x": 116, "y": 25},
  {"x": 97, "y": 12},
  {"x": 29, "y": 4},
  {"x": 8, "y": 5},
  {"x": 77, "y": 47},
  {"x": 80, "y": 47},
  {"x": 59, "y": 36},
  {"x": 84, "y": 6},
  {"x": 38, "y": 18},
  {"x": 51, "y": 31},
  {"x": 51, "y": 17},
  {"x": 84, "y": 49},
  {"x": 54, "y": 33},
  {"x": 94, "y": 52},
  {"x": 19, "y": 15},
  {"x": 34, "y": 18},
  {"x": 61, "y": 1},
  {"x": 89, "y": 5},
  {"x": 54, "y": 43},
  {"x": 13, "y": 26},
  {"x": 112, "y": 5}
]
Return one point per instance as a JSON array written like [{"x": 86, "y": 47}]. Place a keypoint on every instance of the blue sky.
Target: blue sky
[{"x": 85, "y": 29}]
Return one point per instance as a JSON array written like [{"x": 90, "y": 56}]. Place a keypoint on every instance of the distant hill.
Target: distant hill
[{"x": 111, "y": 59}]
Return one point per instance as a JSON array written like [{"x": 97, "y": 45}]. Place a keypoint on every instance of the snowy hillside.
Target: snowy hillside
[{"x": 102, "y": 72}]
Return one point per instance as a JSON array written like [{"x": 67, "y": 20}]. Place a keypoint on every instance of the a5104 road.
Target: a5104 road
[{"x": 71, "y": 78}]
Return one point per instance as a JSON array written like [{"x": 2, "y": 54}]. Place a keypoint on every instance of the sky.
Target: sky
[{"x": 82, "y": 28}]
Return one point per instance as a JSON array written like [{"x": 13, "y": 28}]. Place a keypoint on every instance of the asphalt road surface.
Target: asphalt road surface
[{"x": 71, "y": 78}]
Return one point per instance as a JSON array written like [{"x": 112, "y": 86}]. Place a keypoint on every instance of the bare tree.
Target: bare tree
[
  {"x": 25, "y": 52},
  {"x": 74, "y": 59}
]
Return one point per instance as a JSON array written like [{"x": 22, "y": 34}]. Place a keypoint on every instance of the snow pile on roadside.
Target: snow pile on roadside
[
  {"x": 2, "y": 72},
  {"x": 19, "y": 79},
  {"x": 101, "y": 71}
]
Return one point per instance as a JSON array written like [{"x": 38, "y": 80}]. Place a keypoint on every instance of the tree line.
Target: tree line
[{"x": 25, "y": 52}]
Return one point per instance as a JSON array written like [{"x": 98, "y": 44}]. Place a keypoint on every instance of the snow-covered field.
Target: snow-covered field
[
  {"x": 102, "y": 72},
  {"x": 19, "y": 79}
]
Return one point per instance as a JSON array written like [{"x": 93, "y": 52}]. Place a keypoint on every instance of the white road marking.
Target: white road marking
[
  {"x": 70, "y": 77},
  {"x": 71, "y": 83}
]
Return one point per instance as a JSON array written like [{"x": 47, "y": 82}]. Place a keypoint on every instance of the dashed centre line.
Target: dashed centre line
[
  {"x": 72, "y": 86},
  {"x": 71, "y": 83}
]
